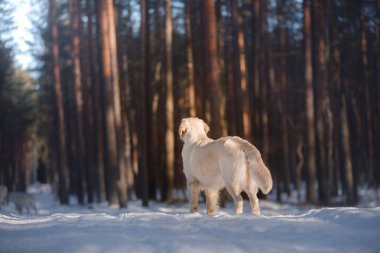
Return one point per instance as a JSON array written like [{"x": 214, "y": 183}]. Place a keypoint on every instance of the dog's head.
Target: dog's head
[{"x": 189, "y": 125}]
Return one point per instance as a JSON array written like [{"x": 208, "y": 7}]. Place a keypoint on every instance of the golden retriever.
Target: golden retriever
[{"x": 210, "y": 165}]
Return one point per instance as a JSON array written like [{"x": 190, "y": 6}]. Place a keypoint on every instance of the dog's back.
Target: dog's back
[{"x": 22, "y": 200}]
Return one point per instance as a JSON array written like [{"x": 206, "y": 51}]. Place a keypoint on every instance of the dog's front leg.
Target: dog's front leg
[
  {"x": 211, "y": 201},
  {"x": 193, "y": 188}
]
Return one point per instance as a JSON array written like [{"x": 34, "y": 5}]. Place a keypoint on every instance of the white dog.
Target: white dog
[
  {"x": 210, "y": 165},
  {"x": 22, "y": 200}
]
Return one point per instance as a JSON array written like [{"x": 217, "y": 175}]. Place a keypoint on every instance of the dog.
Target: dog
[
  {"x": 210, "y": 165},
  {"x": 22, "y": 200},
  {"x": 3, "y": 193}
]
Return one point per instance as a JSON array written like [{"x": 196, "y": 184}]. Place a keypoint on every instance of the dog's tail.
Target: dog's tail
[{"x": 257, "y": 167}]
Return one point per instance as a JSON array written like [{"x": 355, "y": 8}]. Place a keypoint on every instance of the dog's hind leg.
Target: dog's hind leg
[
  {"x": 194, "y": 190},
  {"x": 252, "y": 194},
  {"x": 238, "y": 199},
  {"x": 211, "y": 201}
]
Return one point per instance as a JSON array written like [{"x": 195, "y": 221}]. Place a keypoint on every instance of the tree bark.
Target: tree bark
[
  {"x": 74, "y": 10},
  {"x": 61, "y": 141},
  {"x": 367, "y": 102},
  {"x": 169, "y": 134},
  {"x": 310, "y": 128},
  {"x": 212, "y": 73},
  {"x": 111, "y": 151},
  {"x": 283, "y": 91},
  {"x": 242, "y": 118},
  {"x": 121, "y": 169},
  {"x": 142, "y": 117},
  {"x": 190, "y": 62}
]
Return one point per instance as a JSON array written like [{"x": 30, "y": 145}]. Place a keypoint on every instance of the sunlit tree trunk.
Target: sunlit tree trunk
[
  {"x": 309, "y": 96},
  {"x": 212, "y": 72},
  {"x": 111, "y": 151},
  {"x": 120, "y": 127},
  {"x": 190, "y": 62},
  {"x": 60, "y": 128},
  {"x": 169, "y": 134}
]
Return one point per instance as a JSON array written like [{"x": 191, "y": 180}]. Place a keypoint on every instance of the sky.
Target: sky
[{"x": 22, "y": 33}]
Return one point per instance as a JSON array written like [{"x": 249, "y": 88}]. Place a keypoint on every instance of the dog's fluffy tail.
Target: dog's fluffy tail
[{"x": 257, "y": 167}]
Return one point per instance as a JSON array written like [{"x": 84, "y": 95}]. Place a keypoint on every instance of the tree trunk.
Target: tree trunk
[
  {"x": 242, "y": 118},
  {"x": 121, "y": 169},
  {"x": 212, "y": 72},
  {"x": 310, "y": 129},
  {"x": 367, "y": 102},
  {"x": 231, "y": 110},
  {"x": 283, "y": 91},
  {"x": 111, "y": 151},
  {"x": 87, "y": 103},
  {"x": 61, "y": 141},
  {"x": 97, "y": 111},
  {"x": 169, "y": 134},
  {"x": 74, "y": 10},
  {"x": 255, "y": 90},
  {"x": 142, "y": 117},
  {"x": 190, "y": 63},
  {"x": 324, "y": 125}
]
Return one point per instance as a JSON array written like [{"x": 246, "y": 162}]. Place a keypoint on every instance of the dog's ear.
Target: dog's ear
[
  {"x": 206, "y": 127},
  {"x": 184, "y": 127}
]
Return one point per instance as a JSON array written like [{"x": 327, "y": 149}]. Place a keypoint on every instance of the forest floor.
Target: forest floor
[{"x": 171, "y": 228}]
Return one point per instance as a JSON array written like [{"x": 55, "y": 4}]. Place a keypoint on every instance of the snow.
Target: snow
[{"x": 171, "y": 228}]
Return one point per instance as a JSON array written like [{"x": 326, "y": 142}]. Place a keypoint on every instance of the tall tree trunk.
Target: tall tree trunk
[
  {"x": 324, "y": 126},
  {"x": 121, "y": 169},
  {"x": 310, "y": 129},
  {"x": 190, "y": 63},
  {"x": 242, "y": 121},
  {"x": 87, "y": 104},
  {"x": 169, "y": 134},
  {"x": 255, "y": 90},
  {"x": 342, "y": 125},
  {"x": 283, "y": 91},
  {"x": 377, "y": 84},
  {"x": 96, "y": 105},
  {"x": 74, "y": 10},
  {"x": 61, "y": 141},
  {"x": 263, "y": 14},
  {"x": 142, "y": 117},
  {"x": 212, "y": 73},
  {"x": 111, "y": 151},
  {"x": 231, "y": 110},
  {"x": 197, "y": 32},
  {"x": 367, "y": 102}
]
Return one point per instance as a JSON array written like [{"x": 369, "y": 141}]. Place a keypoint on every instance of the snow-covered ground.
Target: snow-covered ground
[{"x": 171, "y": 228}]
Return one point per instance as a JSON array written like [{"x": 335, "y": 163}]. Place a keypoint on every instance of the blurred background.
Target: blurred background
[{"x": 92, "y": 93}]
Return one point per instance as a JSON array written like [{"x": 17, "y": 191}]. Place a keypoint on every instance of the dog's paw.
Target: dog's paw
[
  {"x": 194, "y": 209},
  {"x": 211, "y": 212}
]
